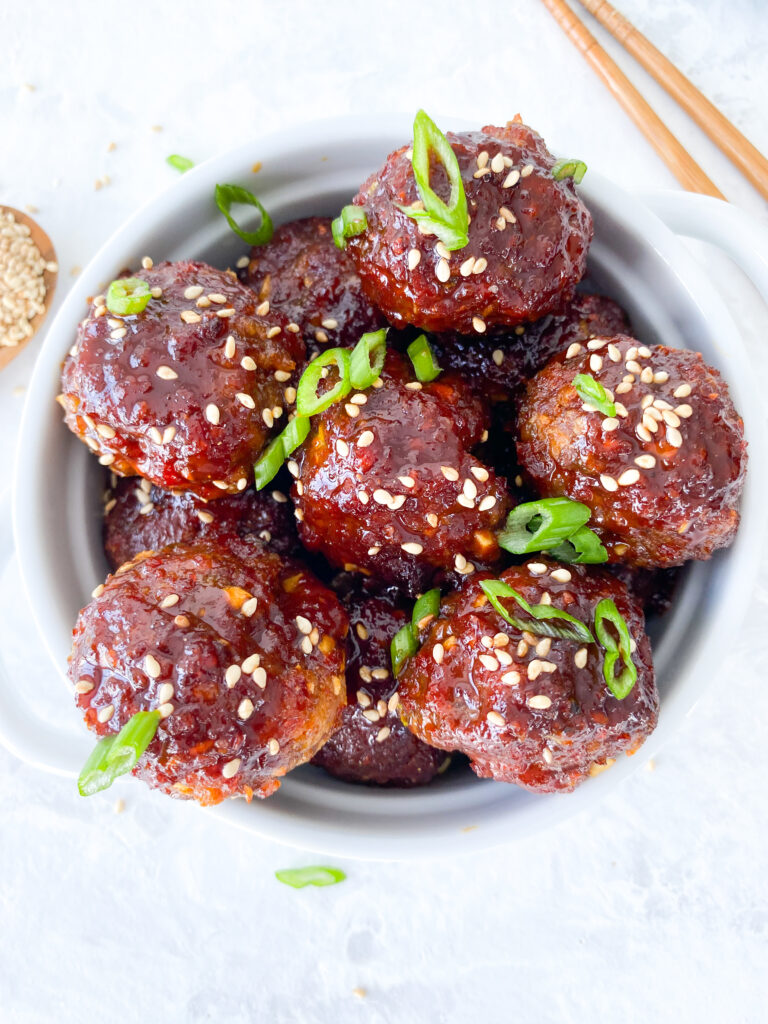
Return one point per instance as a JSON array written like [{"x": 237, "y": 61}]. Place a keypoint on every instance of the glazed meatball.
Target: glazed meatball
[
  {"x": 304, "y": 276},
  {"x": 501, "y": 362},
  {"x": 524, "y": 708},
  {"x": 664, "y": 475},
  {"x": 528, "y": 237},
  {"x": 390, "y": 486},
  {"x": 138, "y": 516},
  {"x": 187, "y": 392},
  {"x": 372, "y": 744},
  {"x": 241, "y": 651},
  {"x": 653, "y": 589}
]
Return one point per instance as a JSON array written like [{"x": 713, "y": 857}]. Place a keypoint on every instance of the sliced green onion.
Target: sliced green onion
[
  {"x": 268, "y": 466},
  {"x": 423, "y": 359},
  {"x": 621, "y": 685},
  {"x": 449, "y": 221},
  {"x": 226, "y": 195},
  {"x": 565, "y": 168},
  {"x": 351, "y": 221},
  {"x": 367, "y": 359},
  {"x": 542, "y": 618},
  {"x": 582, "y": 548},
  {"x": 128, "y": 296},
  {"x": 592, "y": 392},
  {"x": 308, "y": 400},
  {"x": 318, "y": 875},
  {"x": 295, "y": 433},
  {"x": 180, "y": 163},
  {"x": 426, "y": 608},
  {"x": 117, "y": 755},
  {"x": 540, "y": 525},
  {"x": 403, "y": 646}
]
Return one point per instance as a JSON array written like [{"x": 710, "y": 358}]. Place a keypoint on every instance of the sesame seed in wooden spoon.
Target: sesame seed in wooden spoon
[{"x": 20, "y": 273}]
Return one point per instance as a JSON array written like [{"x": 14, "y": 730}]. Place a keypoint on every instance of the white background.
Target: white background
[{"x": 652, "y": 907}]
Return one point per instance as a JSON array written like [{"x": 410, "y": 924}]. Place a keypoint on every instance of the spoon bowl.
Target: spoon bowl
[{"x": 44, "y": 244}]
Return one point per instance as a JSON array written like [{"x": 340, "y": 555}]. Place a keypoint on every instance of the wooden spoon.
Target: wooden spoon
[{"x": 44, "y": 244}]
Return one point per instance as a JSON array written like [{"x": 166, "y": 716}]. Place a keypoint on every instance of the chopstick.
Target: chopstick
[
  {"x": 674, "y": 155},
  {"x": 739, "y": 150}
]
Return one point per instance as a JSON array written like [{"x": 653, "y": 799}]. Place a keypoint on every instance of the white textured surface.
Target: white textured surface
[{"x": 653, "y": 908}]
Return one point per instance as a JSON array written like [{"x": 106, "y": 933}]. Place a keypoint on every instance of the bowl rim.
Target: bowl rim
[{"x": 336, "y": 837}]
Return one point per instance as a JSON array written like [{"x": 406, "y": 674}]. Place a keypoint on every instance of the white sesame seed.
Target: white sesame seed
[
  {"x": 147, "y": 263},
  {"x": 374, "y": 550},
  {"x": 682, "y": 391},
  {"x": 438, "y": 653},
  {"x": 608, "y": 482},
  {"x": 465, "y": 501},
  {"x": 268, "y": 417},
  {"x": 573, "y": 350},
  {"x": 674, "y": 437},
  {"x": 231, "y": 768},
  {"x": 449, "y": 472},
  {"x": 168, "y": 434},
  {"x": 497, "y": 356},
  {"x": 540, "y": 702},
  {"x": 106, "y": 713},
  {"x": 432, "y": 519},
  {"x": 643, "y": 432},
  {"x": 528, "y": 169},
  {"x": 232, "y": 676},
  {"x": 536, "y": 568},
  {"x": 466, "y": 267},
  {"x": 595, "y": 363},
  {"x": 204, "y": 517},
  {"x": 169, "y": 601},
  {"x": 166, "y": 373},
  {"x": 212, "y": 414},
  {"x": 164, "y": 693},
  {"x": 165, "y": 709},
  {"x": 480, "y": 265},
  {"x": 441, "y": 250},
  {"x": 342, "y": 448},
  {"x": 245, "y": 400},
  {"x": 684, "y": 411},
  {"x": 646, "y": 376},
  {"x": 494, "y": 718},
  {"x": 470, "y": 489},
  {"x": 546, "y": 753},
  {"x": 245, "y": 709},
  {"x": 561, "y": 575},
  {"x": 623, "y": 388},
  {"x": 407, "y": 481},
  {"x": 263, "y": 308},
  {"x": 359, "y": 399},
  {"x": 363, "y": 497},
  {"x": 596, "y": 344},
  {"x": 661, "y": 377},
  {"x": 382, "y": 497},
  {"x": 511, "y": 179},
  {"x": 365, "y": 439},
  {"x": 193, "y": 291},
  {"x": 259, "y": 676},
  {"x": 489, "y": 662},
  {"x": 628, "y": 477},
  {"x": 304, "y": 625},
  {"x": 414, "y": 258},
  {"x": 412, "y": 548},
  {"x": 189, "y": 316},
  {"x": 152, "y": 666},
  {"x": 155, "y": 435},
  {"x": 610, "y": 423},
  {"x": 645, "y": 461},
  {"x": 83, "y": 686},
  {"x": 614, "y": 354},
  {"x": 443, "y": 270},
  {"x": 352, "y": 410},
  {"x": 478, "y": 324},
  {"x": 633, "y": 366}
]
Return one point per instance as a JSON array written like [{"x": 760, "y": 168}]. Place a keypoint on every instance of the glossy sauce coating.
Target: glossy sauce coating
[
  {"x": 664, "y": 476},
  {"x": 528, "y": 237},
  {"x": 313, "y": 283},
  {"x": 166, "y": 395},
  {"x": 138, "y": 516},
  {"x": 525, "y": 709},
  {"x": 391, "y": 487},
  {"x": 241, "y": 651},
  {"x": 373, "y": 745}
]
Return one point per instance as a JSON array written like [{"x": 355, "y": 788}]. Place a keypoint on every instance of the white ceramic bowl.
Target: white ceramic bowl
[{"x": 314, "y": 169}]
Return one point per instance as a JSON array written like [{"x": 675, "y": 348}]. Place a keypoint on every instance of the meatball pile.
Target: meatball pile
[{"x": 340, "y": 616}]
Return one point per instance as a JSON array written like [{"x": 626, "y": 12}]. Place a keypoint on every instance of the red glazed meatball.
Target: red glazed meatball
[
  {"x": 663, "y": 477},
  {"x": 528, "y": 237},
  {"x": 499, "y": 363},
  {"x": 304, "y": 276},
  {"x": 389, "y": 486},
  {"x": 141, "y": 517},
  {"x": 372, "y": 744},
  {"x": 187, "y": 392},
  {"x": 241, "y": 651},
  {"x": 526, "y": 709}
]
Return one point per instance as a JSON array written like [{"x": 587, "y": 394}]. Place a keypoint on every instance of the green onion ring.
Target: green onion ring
[
  {"x": 268, "y": 466},
  {"x": 426, "y": 608},
  {"x": 583, "y": 547},
  {"x": 539, "y": 624},
  {"x": 180, "y": 163},
  {"x": 226, "y": 195},
  {"x": 351, "y": 221},
  {"x": 403, "y": 646},
  {"x": 553, "y": 520},
  {"x": 592, "y": 392},
  {"x": 621, "y": 685},
  {"x": 128, "y": 296},
  {"x": 423, "y": 359},
  {"x": 566, "y": 168},
  {"x": 295, "y": 433},
  {"x": 117, "y": 755},
  {"x": 308, "y": 401},
  {"x": 317, "y": 874},
  {"x": 366, "y": 360}
]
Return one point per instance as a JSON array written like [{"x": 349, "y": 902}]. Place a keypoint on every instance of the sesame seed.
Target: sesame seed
[
  {"x": 661, "y": 377},
  {"x": 623, "y": 388},
  {"x": 342, "y": 448},
  {"x": 407, "y": 481},
  {"x": 674, "y": 437},
  {"x": 478, "y": 324},
  {"x": 644, "y": 351},
  {"x": 243, "y": 262},
  {"x": 414, "y": 258},
  {"x": 152, "y": 666},
  {"x": 507, "y": 214},
  {"x": 204, "y": 517},
  {"x": 189, "y": 316},
  {"x": 245, "y": 709},
  {"x": 643, "y": 432},
  {"x": 393, "y": 701},
  {"x": 540, "y": 702},
  {"x": 489, "y": 662},
  {"x": 573, "y": 350},
  {"x": 383, "y": 734},
  {"x": 103, "y": 430},
  {"x": 479, "y": 473},
  {"x": 628, "y": 477},
  {"x": 193, "y": 291},
  {"x": 118, "y": 333},
  {"x": 546, "y": 753},
  {"x": 580, "y": 657},
  {"x": 684, "y": 411},
  {"x": 147, "y": 263},
  {"x": 682, "y": 392},
  {"x": 245, "y": 400},
  {"x": 305, "y": 626},
  {"x": 212, "y": 414},
  {"x": 169, "y": 601},
  {"x": 597, "y": 343},
  {"x": 372, "y": 715},
  {"x": 511, "y": 179},
  {"x": 224, "y": 313},
  {"x": 232, "y": 676},
  {"x": 363, "y": 497},
  {"x": 382, "y": 497},
  {"x": 164, "y": 693},
  {"x": 610, "y": 423},
  {"x": 449, "y": 473},
  {"x": 263, "y": 308},
  {"x": 497, "y": 164},
  {"x": 528, "y": 169},
  {"x": 166, "y": 373},
  {"x": 293, "y": 328},
  {"x": 614, "y": 354},
  {"x": 83, "y": 686},
  {"x": 268, "y": 417},
  {"x": 155, "y": 435},
  {"x": 498, "y": 356},
  {"x": 432, "y": 519},
  {"x": 608, "y": 482},
  {"x": 271, "y": 333},
  {"x": 645, "y": 461},
  {"x": 494, "y": 718},
  {"x": 466, "y": 267},
  {"x": 106, "y": 713},
  {"x": 595, "y": 363},
  {"x": 465, "y": 501},
  {"x": 646, "y": 376},
  {"x": 259, "y": 676},
  {"x": 412, "y": 548},
  {"x": 181, "y": 621},
  {"x": 231, "y": 768},
  {"x": 470, "y": 489},
  {"x": 537, "y": 568},
  {"x": 168, "y": 434},
  {"x": 561, "y": 575},
  {"x": 352, "y": 410},
  {"x": 633, "y": 366},
  {"x": 438, "y": 653},
  {"x": 480, "y": 265},
  {"x": 365, "y": 439},
  {"x": 442, "y": 270}
]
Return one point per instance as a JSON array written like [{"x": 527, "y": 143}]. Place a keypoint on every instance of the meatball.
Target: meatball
[
  {"x": 372, "y": 744},
  {"x": 185, "y": 393},
  {"x": 307, "y": 278},
  {"x": 654, "y": 589},
  {"x": 389, "y": 486},
  {"x": 138, "y": 516},
  {"x": 524, "y": 708},
  {"x": 664, "y": 475},
  {"x": 502, "y": 361},
  {"x": 528, "y": 237},
  {"x": 241, "y": 651}
]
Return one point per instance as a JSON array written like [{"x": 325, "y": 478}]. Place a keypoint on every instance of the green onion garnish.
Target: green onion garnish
[
  {"x": 403, "y": 646},
  {"x": 295, "y": 433},
  {"x": 117, "y": 755},
  {"x": 621, "y": 685},
  {"x": 366, "y": 360},
  {"x": 308, "y": 399},
  {"x": 449, "y": 221},
  {"x": 542, "y": 615},
  {"x": 582, "y": 548},
  {"x": 180, "y": 163},
  {"x": 318, "y": 875},
  {"x": 351, "y": 221},
  {"x": 128, "y": 296},
  {"x": 268, "y": 466},
  {"x": 540, "y": 525},
  {"x": 426, "y": 608},
  {"x": 423, "y": 359},
  {"x": 575, "y": 169},
  {"x": 593, "y": 393},
  {"x": 226, "y": 195}
]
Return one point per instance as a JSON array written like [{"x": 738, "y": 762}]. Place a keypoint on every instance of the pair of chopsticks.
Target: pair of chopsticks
[{"x": 749, "y": 160}]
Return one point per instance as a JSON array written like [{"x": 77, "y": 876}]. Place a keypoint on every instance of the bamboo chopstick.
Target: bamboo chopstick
[
  {"x": 674, "y": 155},
  {"x": 739, "y": 150}
]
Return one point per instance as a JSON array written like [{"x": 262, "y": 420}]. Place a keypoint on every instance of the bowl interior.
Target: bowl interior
[{"x": 634, "y": 260}]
